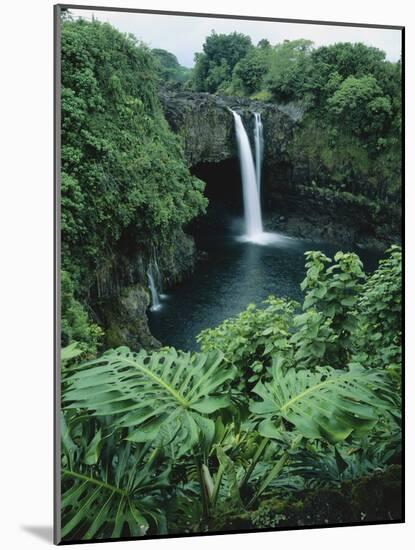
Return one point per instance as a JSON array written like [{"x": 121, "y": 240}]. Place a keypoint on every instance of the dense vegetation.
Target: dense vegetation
[
  {"x": 280, "y": 408},
  {"x": 348, "y": 94},
  {"x": 168, "y": 68},
  {"x": 124, "y": 179},
  {"x": 290, "y": 413}
]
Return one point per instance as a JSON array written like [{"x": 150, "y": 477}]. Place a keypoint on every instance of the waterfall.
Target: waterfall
[
  {"x": 155, "y": 302},
  {"x": 259, "y": 149},
  {"x": 252, "y": 206},
  {"x": 158, "y": 279},
  {"x": 158, "y": 275}
]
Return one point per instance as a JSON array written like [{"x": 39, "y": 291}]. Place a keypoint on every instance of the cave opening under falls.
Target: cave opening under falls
[
  {"x": 236, "y": 269},
  {"x": 232, "y": 273}
]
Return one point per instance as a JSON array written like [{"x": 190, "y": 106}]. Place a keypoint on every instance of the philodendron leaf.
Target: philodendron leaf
[
  {"x": 93, "y": 450},
  {"x": 70, "y": 352},
  {"x": 326, "y": 403},
  {"x": 146, "y": 392},
  {"x": 211, "y": 404},
  {"x": 119, "y": 500},
  {"x": 232, "y": 486}
]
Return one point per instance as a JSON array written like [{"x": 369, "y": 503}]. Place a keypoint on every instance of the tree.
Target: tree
[
  {"x": 168, "y": 67},
  {"x": 221, "y": 52},
  {"x": 289, "y": 70},
  {"x": 341, "y": 60},
  {"x": 75, "y": 323},
  {"x": 349, "y": 59},
  {"x": 360, "y": 106},
  {"x": 124, "y": 177},
  {"x": 123, "y": 170},
  {"x": 250, "y": 71}
]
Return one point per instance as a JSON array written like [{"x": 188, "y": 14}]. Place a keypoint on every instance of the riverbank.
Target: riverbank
[{"x": 231, "y": 274}]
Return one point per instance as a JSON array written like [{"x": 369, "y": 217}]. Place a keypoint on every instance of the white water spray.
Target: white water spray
[
  {"x": 155, "y": 301},
  {"x": 251, "y": 184},
  {"x": 252, "y": 206},
  {"x": 259, "y": 149},
  {"x": 158, "y": 279}
]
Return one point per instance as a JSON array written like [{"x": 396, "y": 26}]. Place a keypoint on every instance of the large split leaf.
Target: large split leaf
[
  {"x": 325, "y": 403},
  {"x": 160, "y": 396},
  {"x": 117, "y": 497}
]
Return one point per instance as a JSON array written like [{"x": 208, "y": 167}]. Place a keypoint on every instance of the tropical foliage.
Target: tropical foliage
[
  {"x": 274, "y": 406},
  {"x": 76, "y": 325},
  {"x": 168, "y": 68},
  {"x": 285, "y": 404},
  {"x": 349, "y": 96},
  {"x": 123, "y": 177}
]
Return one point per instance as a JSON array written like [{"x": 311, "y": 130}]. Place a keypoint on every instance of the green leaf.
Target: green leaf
[
  {"x": 93, "y": 450},
  {"x": 210, "y": 405},
  {"x": 268, "y": 428},
  {"x": 68, "y": 446},
  {"x": 318, "y": 348},
  {"x": 229, "y": 470},
  {"x": 70, "y": 352},
  {"x": 341, "y": 463},
  {"x": 109, "y": 502},
  {"x": 152, "y": 394},
  {"x": 320, "y": 292},
  {"x": 348, "y": 301},
  {"x": 328, "y": 403}
]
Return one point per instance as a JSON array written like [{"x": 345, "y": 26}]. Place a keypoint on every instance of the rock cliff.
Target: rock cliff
[
  {"x": 120, "y": 298},
  {"x": 307, "y": 208},
  {"x": 205, "y": 123}
]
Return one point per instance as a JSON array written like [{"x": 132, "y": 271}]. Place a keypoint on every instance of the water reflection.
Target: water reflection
[{"x": 233, "y": 275}]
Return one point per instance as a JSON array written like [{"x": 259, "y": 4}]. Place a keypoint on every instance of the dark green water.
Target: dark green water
[{"x": 233, "y": 275}]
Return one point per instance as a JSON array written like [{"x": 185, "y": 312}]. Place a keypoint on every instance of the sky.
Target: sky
[{"x": 184, "y": 36}]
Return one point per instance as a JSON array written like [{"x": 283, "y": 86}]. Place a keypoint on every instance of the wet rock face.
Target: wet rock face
[
  {"x": 121, "y": 297},
  {"x": 314, "y": 210},
  {"x": 205, "y": 124},
  {"x": 126, "y": 320}
]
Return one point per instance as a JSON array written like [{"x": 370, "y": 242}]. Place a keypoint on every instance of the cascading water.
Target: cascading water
[
  {"x": 259, "y": 149},
  {"x": 252, "y": 206},
  {"x": 251, "y": 182},
  {"x": 158, "y": 275},
  {"x": 155, "y": 301},
  {"x": 158, "y": 279}
]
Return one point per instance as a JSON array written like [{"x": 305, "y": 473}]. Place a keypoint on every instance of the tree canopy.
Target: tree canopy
[
  {"x": 123, "y": 170},
  {"x": 168, "y": 68},
  {"x": 349, "y": 93},
  {"x": 123, "y": 176},
  {"x": 221, "y": 52}
]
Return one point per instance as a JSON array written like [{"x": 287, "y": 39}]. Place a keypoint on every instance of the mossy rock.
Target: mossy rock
[
  {"x": 379, "y": 497},
  {"x": 373, "y": 498},
  {"x": 326, "y": 507}
]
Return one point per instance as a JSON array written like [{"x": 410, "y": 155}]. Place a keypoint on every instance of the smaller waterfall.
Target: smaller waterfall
[
  {"x": 259, "y": 149},
  {"x": 158, "y": 275},
  {"x": 158, "y": 279},
  {"x": 155, "y": 301}
]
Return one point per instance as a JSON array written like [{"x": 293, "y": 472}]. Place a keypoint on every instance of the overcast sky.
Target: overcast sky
[{"x": 184, "y": 36}]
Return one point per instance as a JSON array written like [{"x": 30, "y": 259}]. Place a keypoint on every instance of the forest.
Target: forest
[
  {"x": 284, "y": 414},
  {"x": 349, "y": 93}
]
